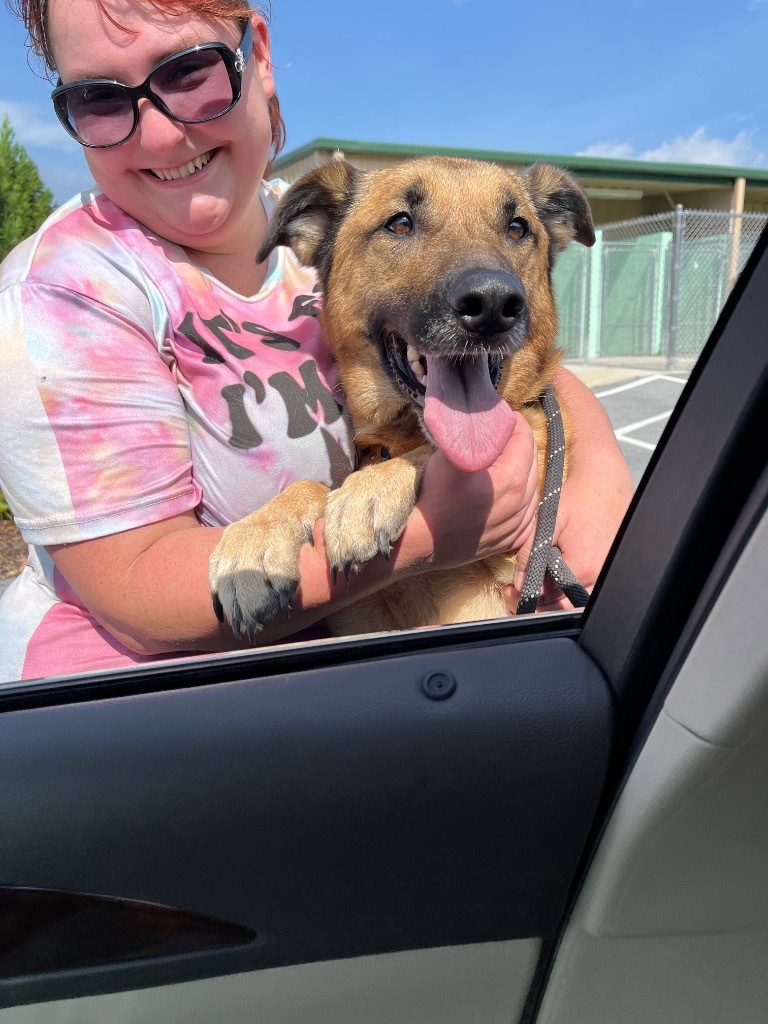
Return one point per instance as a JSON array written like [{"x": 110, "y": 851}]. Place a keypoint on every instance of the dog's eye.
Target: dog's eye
[
  {"x": 517, "y": 229},
  {"x": 400, "y": 224}
]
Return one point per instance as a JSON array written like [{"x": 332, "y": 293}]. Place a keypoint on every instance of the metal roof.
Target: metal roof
[{"x": 588, "y": 166}]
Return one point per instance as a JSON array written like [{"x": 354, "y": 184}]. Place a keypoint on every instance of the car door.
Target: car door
[{"x": 435, "y": 825}]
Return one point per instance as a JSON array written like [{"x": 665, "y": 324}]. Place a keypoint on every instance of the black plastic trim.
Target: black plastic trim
[{"x": 207, "y": 670}]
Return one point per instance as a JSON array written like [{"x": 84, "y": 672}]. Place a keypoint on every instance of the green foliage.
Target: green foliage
[
  {"x": 5, "y": 512},
  {"x": 24, "y": 201}
]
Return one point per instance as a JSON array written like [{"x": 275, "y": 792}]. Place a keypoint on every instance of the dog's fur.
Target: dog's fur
[{"x": 453, "y": 257}]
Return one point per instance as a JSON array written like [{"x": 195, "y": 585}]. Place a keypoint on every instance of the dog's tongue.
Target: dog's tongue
[{"x": 469, "y": 422}]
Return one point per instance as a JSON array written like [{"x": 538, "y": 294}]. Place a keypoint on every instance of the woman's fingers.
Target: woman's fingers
[{"x": 473, "y": 515}]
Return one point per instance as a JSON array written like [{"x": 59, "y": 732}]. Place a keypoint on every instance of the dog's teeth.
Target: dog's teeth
[
  {"x": 422, "y": 379},
  {"x": 417, "y": 367},
  {"x": 413, "y": 354}
]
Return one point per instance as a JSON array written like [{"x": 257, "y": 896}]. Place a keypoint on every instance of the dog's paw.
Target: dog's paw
[
  {"x": 254, "y": 570},
  {"x": 251, "y": 580},
  {"x": 367, "y": 514}
]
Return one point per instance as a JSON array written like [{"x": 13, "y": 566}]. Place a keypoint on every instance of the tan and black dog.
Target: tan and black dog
[{"x": 439, "y": 311}]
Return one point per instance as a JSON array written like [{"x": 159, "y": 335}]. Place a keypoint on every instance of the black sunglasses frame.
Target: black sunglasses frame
[{"x": 235, "y": 63}]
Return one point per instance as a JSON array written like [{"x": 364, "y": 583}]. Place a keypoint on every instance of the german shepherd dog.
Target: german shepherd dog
[{"x": 439, "y": 311}]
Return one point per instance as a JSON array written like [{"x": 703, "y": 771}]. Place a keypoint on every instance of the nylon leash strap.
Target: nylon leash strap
[{"x": 547, "y": 559}]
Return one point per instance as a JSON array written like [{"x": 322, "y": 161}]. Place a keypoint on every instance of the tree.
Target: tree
[{"x": 25, "y": 202}]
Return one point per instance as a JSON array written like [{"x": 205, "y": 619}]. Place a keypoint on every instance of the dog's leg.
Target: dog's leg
[
  {"x": 254, "y": 570},
  {"x": 367, "y": 514},
  {"x": 470, "y": 593}
]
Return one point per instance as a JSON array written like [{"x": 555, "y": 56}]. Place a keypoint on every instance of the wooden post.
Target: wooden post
[{"x": 737, "y": 212}]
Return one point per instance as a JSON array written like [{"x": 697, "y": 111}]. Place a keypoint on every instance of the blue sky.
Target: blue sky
[{"x": 647, "y": 79}]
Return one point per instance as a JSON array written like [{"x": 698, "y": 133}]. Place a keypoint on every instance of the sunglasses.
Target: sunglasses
[{"x": 193, "y": 86}]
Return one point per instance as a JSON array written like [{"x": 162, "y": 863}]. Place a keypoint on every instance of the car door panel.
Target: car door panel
[{"x": 342, "y": 811}]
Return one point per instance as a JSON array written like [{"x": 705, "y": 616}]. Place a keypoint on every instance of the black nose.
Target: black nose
[{"x": 487, "y": 301}]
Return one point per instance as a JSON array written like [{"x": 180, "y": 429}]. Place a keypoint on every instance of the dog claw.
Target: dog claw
[
  {"x": 309, "y": 535},
  {"x": 285, "y": 606},
  {"x": 384, "y": 547},
  {"x": 334, "y": 574},
  {"x": 347, "y": 568},
  {"x": 218, "y": 607}
]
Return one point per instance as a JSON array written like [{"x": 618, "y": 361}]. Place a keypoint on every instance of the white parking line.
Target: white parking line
[
  {"x": 643, "y": 423},
  {"x": 638, "y": 383},
  {"x": 636, "y": 441},
  {"x": 623, "y": 432}
]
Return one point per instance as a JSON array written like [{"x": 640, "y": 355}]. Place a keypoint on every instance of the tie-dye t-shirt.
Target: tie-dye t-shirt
[{"x": 134, "y": 387}]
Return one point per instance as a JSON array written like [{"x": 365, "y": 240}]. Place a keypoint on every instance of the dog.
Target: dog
[{"x": 439, "y": 311}]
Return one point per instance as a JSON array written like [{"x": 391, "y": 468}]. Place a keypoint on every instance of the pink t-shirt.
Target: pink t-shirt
[{"x": 134, "y": 387}]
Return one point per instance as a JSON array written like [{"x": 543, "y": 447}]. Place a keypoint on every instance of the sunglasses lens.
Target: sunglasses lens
[
  {"x": 100, "y": 114},
  {"x": 194, "y": 86}
]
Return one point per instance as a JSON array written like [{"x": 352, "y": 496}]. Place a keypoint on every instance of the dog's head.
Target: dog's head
[{"x": 435, "y": 273}]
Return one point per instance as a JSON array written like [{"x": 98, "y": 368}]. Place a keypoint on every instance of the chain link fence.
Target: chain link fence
[{"x": 651, "y": 288}]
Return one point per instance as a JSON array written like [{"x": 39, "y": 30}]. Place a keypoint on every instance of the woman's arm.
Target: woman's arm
[
  {"x": 149, "y": 586},
  {"x": 595, "y": 496}
]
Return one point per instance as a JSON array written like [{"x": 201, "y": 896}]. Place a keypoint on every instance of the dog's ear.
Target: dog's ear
[
  {"x": 560, "y": 203},
  {"x": 308, "y": 214}
]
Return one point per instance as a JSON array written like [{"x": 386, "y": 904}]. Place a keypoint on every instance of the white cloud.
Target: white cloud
[
  {"x": 32, "y": 129},
  {"x": 697, "y": 148},
  {"x": 701, "y": 149},
  {"x": 616, "y": 150}
]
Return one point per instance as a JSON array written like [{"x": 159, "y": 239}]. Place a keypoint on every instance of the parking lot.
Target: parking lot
[{"x": 639, "y": 409}]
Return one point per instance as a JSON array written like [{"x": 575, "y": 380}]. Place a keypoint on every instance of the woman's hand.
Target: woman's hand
[
  {"x": 594, "y": 499},
  {"x": 473, "y": 515}
]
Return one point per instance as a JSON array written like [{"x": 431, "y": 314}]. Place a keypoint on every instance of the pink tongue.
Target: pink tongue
[{"x": 468, "y": 421}]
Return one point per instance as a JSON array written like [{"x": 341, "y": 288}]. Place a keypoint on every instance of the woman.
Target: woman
[{"x": 160, "y": 383}]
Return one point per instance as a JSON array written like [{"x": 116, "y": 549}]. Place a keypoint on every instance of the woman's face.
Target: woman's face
[{"x": 216, "y": 209}]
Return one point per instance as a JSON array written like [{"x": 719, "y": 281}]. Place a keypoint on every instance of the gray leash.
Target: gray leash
[{"x": 545, "y": 557}]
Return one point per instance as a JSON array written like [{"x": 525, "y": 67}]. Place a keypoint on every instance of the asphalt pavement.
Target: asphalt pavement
[{"x": 639, "y": 410}]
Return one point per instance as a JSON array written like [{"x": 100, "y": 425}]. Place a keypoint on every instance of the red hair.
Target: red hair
[{"x": 34, "y": 14}]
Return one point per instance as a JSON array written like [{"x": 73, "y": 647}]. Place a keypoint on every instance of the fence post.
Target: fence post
[
  {"x": 673, "y": 329},
  {"x": 595, "y": 279},
  {"x": 737, "y": 210}
]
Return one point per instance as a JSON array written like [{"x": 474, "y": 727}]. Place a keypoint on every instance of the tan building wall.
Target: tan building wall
[{"x": 617, "y": 190}]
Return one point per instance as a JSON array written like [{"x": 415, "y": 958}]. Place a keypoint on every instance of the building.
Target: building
[{"x": 617, "y": 189}]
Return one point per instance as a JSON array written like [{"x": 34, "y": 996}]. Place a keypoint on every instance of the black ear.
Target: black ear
[
  {"x": 560, "y": 203},
  {"x": 308, "y": 215}
]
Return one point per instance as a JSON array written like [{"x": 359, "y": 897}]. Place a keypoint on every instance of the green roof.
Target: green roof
[{"x": 590, "y": 166}]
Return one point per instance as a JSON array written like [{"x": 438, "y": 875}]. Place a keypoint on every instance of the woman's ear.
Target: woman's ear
[{"x": 262, "y": 50}]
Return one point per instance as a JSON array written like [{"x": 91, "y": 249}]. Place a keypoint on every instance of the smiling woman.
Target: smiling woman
[{"x": 162, "y": 382}]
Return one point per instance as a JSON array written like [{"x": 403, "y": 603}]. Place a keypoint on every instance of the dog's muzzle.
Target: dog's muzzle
[{"x": 409, "y": 370}]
